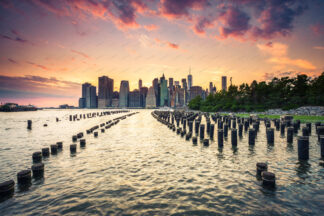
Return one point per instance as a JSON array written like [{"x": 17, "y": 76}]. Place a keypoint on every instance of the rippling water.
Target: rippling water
[{"x": 140, "y": 167}]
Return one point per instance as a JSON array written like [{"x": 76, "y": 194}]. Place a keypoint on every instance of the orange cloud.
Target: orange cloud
[
  {"x": 173, "y": 45},
  {"x": 279, "y": 56},
  {"x": 151, "y": 27}
]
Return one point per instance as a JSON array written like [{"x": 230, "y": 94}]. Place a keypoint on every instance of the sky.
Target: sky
[{"x": 49, "y": 48}]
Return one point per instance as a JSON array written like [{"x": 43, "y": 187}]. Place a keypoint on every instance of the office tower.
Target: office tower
[
  {"x": 91, "y": 97},
  {"x": 82, "y": 102},
  {"x": 115, "y": 99},
  {"x": 143, "y": 92},
  {"x": 224, "y": 83},
  {"x": 163, "y": 91},
  {"x": 139, "y": 84},
  {"x": 195, "y": 91},
  {"x": 134, "y": 99},
  {"x": 181, "y": 94},
  {"x": 184, "y": 83},
  {"x": 150, "y": 98},
  {"x": 189, "y": 79},
  {"x": 211, "y": 88},
  {"x": 105, "y": 91},
  {"x": 156, "y": 88},
  {"x": 123, "y": 93},
  {"x": 171, "y": 84}
]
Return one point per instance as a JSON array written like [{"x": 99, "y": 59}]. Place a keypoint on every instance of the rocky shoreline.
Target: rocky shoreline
[{"x": 305, "y": 110}]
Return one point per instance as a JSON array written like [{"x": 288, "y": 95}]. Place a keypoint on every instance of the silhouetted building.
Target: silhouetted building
[
  {"x": 156, "y": 88},
  {"x": 134, "y": 99},
  {"x": 105, "y": 91},
  {"x": 224, "y": 83},
  {"x": 83, "y": 99},
  {"x": 140, "y": 84},
  {"x": 123, "y": 93},
  {"x": 195, "y": 91}
]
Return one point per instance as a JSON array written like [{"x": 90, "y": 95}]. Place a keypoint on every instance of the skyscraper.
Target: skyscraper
[
  {"x": 83, "y": 99},
  {"x": 91, "y": 97},
  {"x": 156, "y": 88},
  {"x": 224, "y": 83},
  {"x": 211, "y": 88},
  {"x": 143, "y": 92},
  {"x": 134, "y": 98},
  {"x": 171, "y": 84},
  {"x": 189, "y": 79},
  {"x": 163, "y": 91},
  {"x": 123, "y": 93},
  {"x": 150, "y": 98},
  {"x": 140, "y": 84},
  {"x": 105, "y": 91},
  {"x": 185, "y": 87},
  {"x": 195, "y": 91}
]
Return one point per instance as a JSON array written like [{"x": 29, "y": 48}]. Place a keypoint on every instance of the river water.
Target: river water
[{"x": 140, "y": 167}]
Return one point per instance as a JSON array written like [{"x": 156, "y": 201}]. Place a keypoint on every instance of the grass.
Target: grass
[{"x": 302, "y": 118}]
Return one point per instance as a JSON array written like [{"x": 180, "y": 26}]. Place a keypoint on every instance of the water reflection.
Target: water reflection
[{"x": 302, "y": 169}]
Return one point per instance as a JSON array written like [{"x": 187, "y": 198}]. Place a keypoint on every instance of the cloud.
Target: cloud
[
  {"x": 38, "y": 65},
  {"x": 235, "y": 22},
  {"x": 12, "y": 61},
  {"x": 168, "y": 44},
  {"x": 278, "y": 53},
  {"x": 15, "y": 39},
  {"x": 173, "y": 45},
  {"x": 202, "y": 24},
  {"x": 317, "y": 29},
  {"x": 151, "y": 27},
  {"x": 36, "y": 86},
  {"x": 181, "y": 8},
  {"x": 80, "y": 53},
  {"x": 319, "y": 47}
]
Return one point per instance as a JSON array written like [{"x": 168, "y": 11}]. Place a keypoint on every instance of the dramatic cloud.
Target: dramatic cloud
[
  {"x": 180, "y": 8},
  {"x": 235, "y": 22},
  {"x": 279, "y": 56},
  {"x": 202, "y": 24},
  {"x": 276, "y": 18}
]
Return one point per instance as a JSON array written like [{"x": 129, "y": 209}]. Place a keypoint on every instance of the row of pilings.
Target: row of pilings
[
  {"x": 189, "y": 125},
  {"x": 37, "y": 170}
]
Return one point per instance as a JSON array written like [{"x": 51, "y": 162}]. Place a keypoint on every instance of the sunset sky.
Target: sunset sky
[{"x": 49, "y": 48}]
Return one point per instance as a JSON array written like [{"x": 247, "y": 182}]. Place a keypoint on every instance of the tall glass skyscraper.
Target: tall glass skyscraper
[
  {"x": 164, "y": 94},
  {"x": 123, "y": 93},
  {"x": 224, "y": 83}
]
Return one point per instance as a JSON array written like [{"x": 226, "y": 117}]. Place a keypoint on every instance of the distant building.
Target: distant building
[
  {"x": 189, "y": 80},
  {"x": 83, "y": 99},
  {"x": 176, "y": 83},
  {"x": 143, "y": 92},
  {"x": 150, "y": 98},
  {"x": 195, "y": 91},
  {"x": 163, "y": 92},
  {"x": 82, "y": 102},
  {"x": 171, "y": 84},
  {"x": 140, "y": 84},
  {"x": 156, "y": 88},
  {"x": 105, "y": 91},
  {"x": 134, "y": 99},
  {"x": 115, "y": 99},
  {"x": 123, "y": 93},
  {"x": 224, "y": 83}
]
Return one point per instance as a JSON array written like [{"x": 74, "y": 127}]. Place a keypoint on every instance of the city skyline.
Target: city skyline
[{"x": 49, "y": 50}]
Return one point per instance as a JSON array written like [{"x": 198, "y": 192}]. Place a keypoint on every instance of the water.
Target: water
[{"x": 140, "y": 167}]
